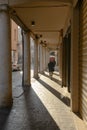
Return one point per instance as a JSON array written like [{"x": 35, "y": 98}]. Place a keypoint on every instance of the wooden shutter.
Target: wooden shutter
[{"x": 83, "y": 60}]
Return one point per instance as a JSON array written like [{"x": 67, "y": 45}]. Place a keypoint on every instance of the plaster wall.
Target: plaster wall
[{"x": 14, "y": 35}]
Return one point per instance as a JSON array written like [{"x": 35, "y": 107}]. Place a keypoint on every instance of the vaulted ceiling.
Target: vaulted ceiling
[{"x": 49, "y": 17}]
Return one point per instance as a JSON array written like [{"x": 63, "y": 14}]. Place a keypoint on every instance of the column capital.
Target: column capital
[{"x": 4, "y": 7}]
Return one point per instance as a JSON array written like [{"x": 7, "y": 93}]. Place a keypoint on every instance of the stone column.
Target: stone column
[
  {"x": 36, "y": 58},
  {"x": 74, "y": 59},
  {"x": 26, "y": 66},
  {"x": 60, "y": 56},
  {"x": 56, "y": 57},
  {"x": 41, "y": 59},
  {"x": 47, "y": 60},
  {"x": 5, "y": 58}
]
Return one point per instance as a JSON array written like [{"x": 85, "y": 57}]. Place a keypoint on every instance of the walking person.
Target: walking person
[{"x": 51, "y": 66}]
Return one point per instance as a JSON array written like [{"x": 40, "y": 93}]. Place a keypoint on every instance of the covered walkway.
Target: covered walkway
[{"x": 43, "y": 106}]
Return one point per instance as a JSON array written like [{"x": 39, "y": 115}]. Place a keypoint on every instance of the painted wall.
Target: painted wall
[{"x": 14, "y": 41}]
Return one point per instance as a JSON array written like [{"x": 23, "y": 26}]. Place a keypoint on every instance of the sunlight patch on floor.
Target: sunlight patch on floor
[{"x": 49, "y": 100}]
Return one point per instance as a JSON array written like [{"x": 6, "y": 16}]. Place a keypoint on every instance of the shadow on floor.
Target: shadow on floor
[
  {"x": 64, "y": 99},
  {"x": 27, "y": 113},
  {"x": 37, "y": 115},
  {"x": 55, "y": 80},
  {"x": 4, "y": 113}
]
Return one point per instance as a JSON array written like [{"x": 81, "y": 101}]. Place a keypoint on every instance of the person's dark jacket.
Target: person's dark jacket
[{"x": 51, "y": 66}]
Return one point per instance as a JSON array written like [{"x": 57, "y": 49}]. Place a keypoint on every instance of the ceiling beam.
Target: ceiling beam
[
  {"x": 16, "y": 2},
  {"x": 46, "y": 30},
  {"x": 40, "y": 6}
]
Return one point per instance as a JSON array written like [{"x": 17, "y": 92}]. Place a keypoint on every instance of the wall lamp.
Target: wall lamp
[{"x": 32, "y": 23}]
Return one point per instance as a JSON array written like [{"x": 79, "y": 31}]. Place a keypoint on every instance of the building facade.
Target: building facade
[
  {"x": 14, "y": 42},
  {"x": 73, "y": 57}
]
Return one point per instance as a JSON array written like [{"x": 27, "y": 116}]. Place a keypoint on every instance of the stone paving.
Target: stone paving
[{"x": 43, "y": 106}]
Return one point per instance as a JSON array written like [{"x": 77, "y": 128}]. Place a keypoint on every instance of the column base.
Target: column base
[
  {"x": 42, "y": 72},
  {"x": 36, "y": 77},
  {"x": 27, "y": 85}
]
